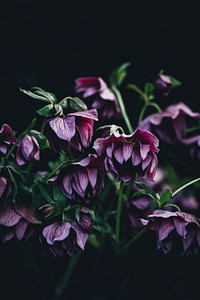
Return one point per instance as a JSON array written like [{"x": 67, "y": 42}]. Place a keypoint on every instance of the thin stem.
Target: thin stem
[
  {"x": 141, "y": 116},
  {"x": 134, "y": 239},
  {"x": 122, "y": 108},
  {"x": 157, "y": 107},
  {"x": 63, "y": 284},
  {"x": 185, "y": 186},
  {"x": 119, "y": 208},
  {"x": 46, "y": 178},
  {"x": 137, "y": 90}
]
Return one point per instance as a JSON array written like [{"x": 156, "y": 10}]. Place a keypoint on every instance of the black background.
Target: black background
[{"x": 49, "y": 46}]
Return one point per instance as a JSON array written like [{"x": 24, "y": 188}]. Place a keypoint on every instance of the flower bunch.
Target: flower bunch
[{"x": 85, "y": 168}]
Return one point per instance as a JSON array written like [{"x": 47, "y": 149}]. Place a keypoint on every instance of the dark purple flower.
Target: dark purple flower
[
  {"x": 82, "y": 180},
  {"x": 73, "y": 131},
  {"x": 194, "y": 146},
  {"x": 5, "y": 187},
  {"x": 170, "y": 125},
  {"x": 163, "y": 84},
  {"x": 102, "y": 98},
  {"x": 64, "y": 238},
  {"x": 167, "y": 224},
  {"x": 6, "y": 138},
  {"x": 126, "y": 155},
  {"x": 84, "y": 219},
  {"x": 16, "y": 221},
  {"x": 28, "y": 150}
]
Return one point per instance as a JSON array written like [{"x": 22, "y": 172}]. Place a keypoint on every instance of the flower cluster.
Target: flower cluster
[{"x": 92, "y": 169}]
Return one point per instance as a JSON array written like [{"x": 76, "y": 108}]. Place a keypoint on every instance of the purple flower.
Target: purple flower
[
  {"x": 163, "y": 84},
  {"x": 170, "y": 125},
  {"x": 28, "y": 150},
  {"x": 64, "y": 238},
  {"x": 73, "y": 131},
  {"x": 103, "y": 99},
  {"x": 167, "y": 224},
  {"x": 5, "y": 187},
  {"x": 16, "y": 221},
  {"x": 126, "y": 155},
  {"x": 194, "y": 146},
  {"x": 6, "y": 138},
  {"x": 82, "y": 180}
]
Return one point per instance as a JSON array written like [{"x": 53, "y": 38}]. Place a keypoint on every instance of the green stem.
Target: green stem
[
  {"x": 63, "y": 284},
  {"x": 185, "y": 186},
  {"x": 141, "y": 116},
  {"x": 46, "y": 178},
  {"x": 134, "y": 239},
  {"x": 20, "y": 137},
  {"x": 119, "y": 208},
  {"x": 122, "y": 108},
  {"x": 147, "y": 104},
  {"x": 137, "y": 90}
]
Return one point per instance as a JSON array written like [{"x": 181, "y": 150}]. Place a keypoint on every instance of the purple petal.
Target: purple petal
[
  {"x": 56, "y": 232},
  {"x": 64, "y": 127},
  {"x": 119, "y": 155},
  {"x": 90, "y": 114},
  {"x": 127, "y": 151},
  {"x": 26, "y": 213},
  {"x": 180, "y": 226},
  {"x": 20, "y": 229},
  {"x": 165, "y": 228},
  {"x": 8, "y": 216},
  {"x": 92, "y": 175},
  {"x": 81, "y": 235},
  {"x": 3, "y": 183}
]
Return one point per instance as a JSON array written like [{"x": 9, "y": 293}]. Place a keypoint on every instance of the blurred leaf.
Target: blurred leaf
[
  {"x": 175, "y": 82},
  {"x": 149, "y": 190},
  {"x": 166, "y": 196},
  {"x": 149, "y": 89},
  {"x": 118, "y": 75}
]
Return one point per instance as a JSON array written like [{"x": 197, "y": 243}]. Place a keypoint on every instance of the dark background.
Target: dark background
[{"x": 49, "y": 46}]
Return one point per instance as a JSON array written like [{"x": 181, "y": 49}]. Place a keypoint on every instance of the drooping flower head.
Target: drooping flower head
[
  {"x": 193, "y": 143},
  {"x": 126, "y": 155},
  {"x": 64, "y": 238},
  {"x": 82, "y": 180},
  {"x": 16, "y": 220},
  {"x": 73, "y": 131},
  {"x": 28, "y": 150},
  {"x": 163, "y": 84},
  {"x": 102, "y": 98},
  {"x": 170, "y": 125},
  {"x": 7, "y": 138},
  {"x": 167, "y": 224}
]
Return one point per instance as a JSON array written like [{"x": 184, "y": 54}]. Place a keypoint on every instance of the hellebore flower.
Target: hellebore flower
[
  {"x": 6, "y": 138},
  {"x": 73, "y": 131},
  {"x": 102, "y": 98},
  {"x": 170, "y": 125},
  {"x": 163, "y": 84},
  {"x": 82, "y": 180},
  {"x": 64, "y": 238},
  {"x": 167, "y": 223},
  {"x": 126, "y": 155},
  {"x": 194, "y": 146},
  {"x": 16, "y": 221},
  {"x": 5, "y": 187},
  {"x": 28, "y": 149}
]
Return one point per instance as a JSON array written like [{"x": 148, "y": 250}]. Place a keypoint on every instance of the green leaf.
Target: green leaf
[
  {"x": 45, "y": 192},
  {"x": 46, "y": 111},
  {"x": 77, "y": 104},
  {"x": 42, "y": 140},
  {"x": 40, "y": 94},
  {"x": 59, "y": 197},
  {"x": 175, "y": 82},
  {"x": 118, "y": 75},
  {"x": 166, "y": 196},
  {"x": 148, "y": 189}
]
